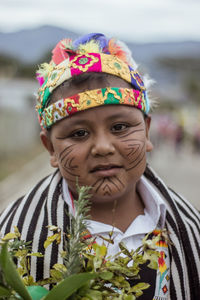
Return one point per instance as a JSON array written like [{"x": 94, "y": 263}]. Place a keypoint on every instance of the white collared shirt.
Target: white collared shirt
[{"x": 154, "y": 216}]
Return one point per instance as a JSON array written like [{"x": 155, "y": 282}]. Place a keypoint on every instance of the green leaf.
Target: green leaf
[
  {"x": 101, "y": 251},
  {"x": 51, "y": 239},
  {"x": 12, "y": 277},
  {"x": 9, "y": 236},
  {"x": 140, "y": 286},
  {"x": 153, "y": 265},
  {"x": 93, "y": 295},
  {"x": 68, "y": 286},
  {"x": 129, "y": 297},
  {"x": 57, "y": 275},
  {"x": 106, "y": 275},
  {"x": 124, "y": 249},
  {"x": 4, "y": 292}
]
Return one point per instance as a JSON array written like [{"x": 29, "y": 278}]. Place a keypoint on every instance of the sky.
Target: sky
[{"x": 137, "y": 21}]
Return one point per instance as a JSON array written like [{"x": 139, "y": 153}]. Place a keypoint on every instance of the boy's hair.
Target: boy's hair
[
  {"x": 77, "y": 81},
  {"x": 79, "y": 60}
]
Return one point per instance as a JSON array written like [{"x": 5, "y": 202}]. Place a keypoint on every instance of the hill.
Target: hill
[{"x": 29, "y": 47}]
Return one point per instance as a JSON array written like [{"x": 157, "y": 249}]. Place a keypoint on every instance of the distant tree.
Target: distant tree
[
  {"x": 190, "y": 64},
  {"x": 192, "y": 86},
  {"x": 12, "y": 67},
  {"x": 6, "y": 60},
  {"x": 189, "y": 69},
  {"x": 26, "y": 71}
]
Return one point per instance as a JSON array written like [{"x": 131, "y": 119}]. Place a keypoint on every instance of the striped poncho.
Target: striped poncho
[{"x": 44, "y": 205}]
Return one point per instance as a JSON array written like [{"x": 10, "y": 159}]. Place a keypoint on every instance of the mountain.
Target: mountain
[{"x": 29, "y": 46}]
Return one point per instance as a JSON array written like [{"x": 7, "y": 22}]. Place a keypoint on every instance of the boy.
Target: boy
[{"x": 94, "y": 112}]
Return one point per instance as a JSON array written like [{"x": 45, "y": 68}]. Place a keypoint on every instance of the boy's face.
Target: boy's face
[{"x": 104, "y": 147}]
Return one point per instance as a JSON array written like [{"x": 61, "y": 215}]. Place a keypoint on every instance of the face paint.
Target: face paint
[
  {"x": 103, "y": 148},
  {"x": 135, "y": 148},
  {"x": 66, "y": 159}
]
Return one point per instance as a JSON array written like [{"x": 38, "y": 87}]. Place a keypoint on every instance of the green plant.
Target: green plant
[{"x": 86, "y": 273}]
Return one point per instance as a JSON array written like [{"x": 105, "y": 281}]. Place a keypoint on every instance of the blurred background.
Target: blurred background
[{"x": 164, "y": 37}]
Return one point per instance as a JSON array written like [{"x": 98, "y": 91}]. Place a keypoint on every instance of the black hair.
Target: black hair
[{"x": 77, "y": 81}]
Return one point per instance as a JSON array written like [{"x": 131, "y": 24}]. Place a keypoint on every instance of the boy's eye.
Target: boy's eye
[
  {"x": 79, "y": 133},
  {"x": 119, "y": 127}
]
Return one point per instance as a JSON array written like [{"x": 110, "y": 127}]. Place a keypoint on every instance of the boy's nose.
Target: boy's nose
[{"x": 102, "y": 145}]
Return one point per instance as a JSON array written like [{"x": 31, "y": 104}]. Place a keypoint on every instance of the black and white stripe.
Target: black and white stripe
[
  {"x": 183, "y": 223},
  {"x": 44, "y": 205}
]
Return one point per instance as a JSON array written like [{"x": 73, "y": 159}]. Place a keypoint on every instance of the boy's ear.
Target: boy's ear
[
  {"x": 47, "y": 143},
  {"x": 149, "y": 145}
]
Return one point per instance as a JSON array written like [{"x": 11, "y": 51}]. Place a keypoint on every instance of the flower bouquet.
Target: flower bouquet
[{"x": 87, "y": 271}]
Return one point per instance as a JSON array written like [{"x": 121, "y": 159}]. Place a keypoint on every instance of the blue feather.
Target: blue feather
[{"x": 102, "y": 40}]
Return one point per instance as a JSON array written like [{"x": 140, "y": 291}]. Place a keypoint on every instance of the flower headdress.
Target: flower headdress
[{"x": 90, "y": 53}]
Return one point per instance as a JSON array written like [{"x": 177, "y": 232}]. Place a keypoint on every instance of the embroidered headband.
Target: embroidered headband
[
  {"x": 90, "y": 99},
  {"x": 90, "y": 53}
]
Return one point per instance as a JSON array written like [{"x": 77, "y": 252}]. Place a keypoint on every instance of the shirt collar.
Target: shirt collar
[
  {"x": 155, "y": 207},
  {"x": 153, "y": 201}
]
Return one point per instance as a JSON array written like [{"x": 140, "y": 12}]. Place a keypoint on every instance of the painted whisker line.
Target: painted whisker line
[
  {"x": 115, "y": 185},
  {"x": 119, "y": 181},
  {"x": 133, "y": 151},
  {"x": 129, "y": 146},
  {"x": 66, "y": 169},
  {"x": 130, "y": 140},
  {"x": 102, "y": 181},
  {"x": 107, "y": 187},
  {"x": 64, "y": 157},
  {"x": 136, "y": 164},
  {"x": 141, "y": 151},
  {"x": 66, "y": 164},
  {"x": 100, "y": 185},
  {"x": 128, "y": 169},
  {"x": 93, "y": 185},
  {"x": 65, "y": 150},
  {"x": 127, "y": 134},
  {"x": 64, "y": 154}
]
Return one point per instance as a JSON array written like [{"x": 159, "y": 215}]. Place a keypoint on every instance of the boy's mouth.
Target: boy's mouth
[{"x": 106, "y": 169}]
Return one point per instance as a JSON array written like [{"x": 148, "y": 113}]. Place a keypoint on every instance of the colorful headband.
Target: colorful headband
[
  {"x": 90, "y": 99},
  {"x": 91, "y": 53}
]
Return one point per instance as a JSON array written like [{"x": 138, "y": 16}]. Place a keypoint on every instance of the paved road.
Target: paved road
[
  {"x": 181, "y": 172},
  {"x": 22, "y": 181}
]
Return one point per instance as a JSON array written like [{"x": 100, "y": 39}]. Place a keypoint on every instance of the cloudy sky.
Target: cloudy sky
[{"x": 141, "y": 20}]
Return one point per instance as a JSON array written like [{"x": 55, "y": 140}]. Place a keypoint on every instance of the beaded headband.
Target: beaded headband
[
  {"x": 90, "y": 53},
  {"x": 90, "y": 99}
]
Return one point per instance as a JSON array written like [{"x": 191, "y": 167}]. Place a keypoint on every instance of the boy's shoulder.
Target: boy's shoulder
[
  {"x": 186, "y": 209},
  {"x": 176, "y": 203},
  {"x": 29, "y": 206}
]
